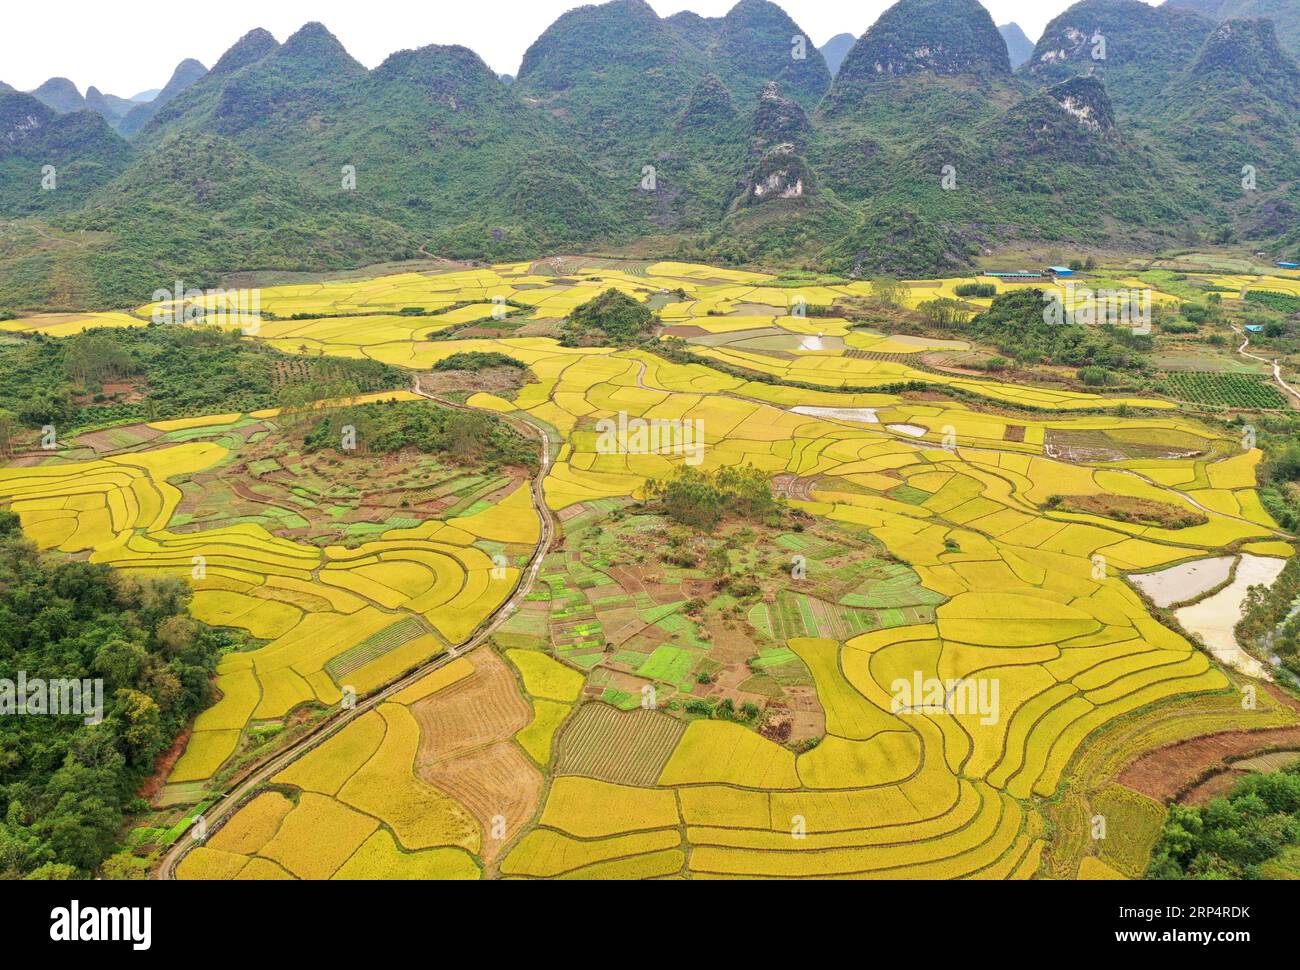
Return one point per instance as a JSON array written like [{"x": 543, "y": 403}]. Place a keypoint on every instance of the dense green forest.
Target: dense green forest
[
  {"x": 1254, "y": 833},
  {"x": 65, "y": 784},
  {"x": 1279, "y": 476}
]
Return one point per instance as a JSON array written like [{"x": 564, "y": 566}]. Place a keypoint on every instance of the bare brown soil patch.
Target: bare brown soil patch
[
  {"x": 163, "y": 764},
  {"x": 1216, "y": 786},
  {"x": 108, "y": 441},
  {"x": 684, "y": 332},
  {"x": 115, "y": 392},
  {"x": 794, "y": 488},
  {"x": 1126, "y": 508},
  {"x": 620, "y": 625},
  {"x": 541, "y": 327},
  {"x": 493, "y": 380},
  {"x": 1168, "y": 772},
  {"x": 466, "y": 750}
]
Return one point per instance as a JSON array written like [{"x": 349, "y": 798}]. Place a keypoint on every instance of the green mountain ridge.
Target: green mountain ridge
[
  {"x": 84, "y": 152},
  {"x": 719, "y": 138},
  {"x": 1285, "y": 15},
  {"x": 1136, "y": 48},
  {"x": 934, "y": 37},
  {"x": 187, "y": 73}
]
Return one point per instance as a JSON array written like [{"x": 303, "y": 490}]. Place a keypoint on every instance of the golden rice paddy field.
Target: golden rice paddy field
[
  {"x": 354, "y": 616},
  {"x": 364, "y": 318},
  {"x": 1035, "y": 600}
]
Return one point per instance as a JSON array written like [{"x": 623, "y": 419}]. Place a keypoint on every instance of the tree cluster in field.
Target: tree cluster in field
[
  {"x": 723, "y": 710},
  {"x": 700, "y": 499},
  {"x": 1233, "y": 837},
  {"x": 460, "y": 437},
  {"x": 1015, "y": 324},
  {"x": 173, "y": 371},
  {"x": 478, "y": 360},
  {"x": 944, "y": 312},
  {"x": 1279, "y": 474},
  {"x": 65, "y": 785},
  {"x": 613, "y": 317}
]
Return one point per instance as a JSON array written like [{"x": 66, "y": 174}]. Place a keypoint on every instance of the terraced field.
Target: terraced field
[
  {"x": 934, "y": 555},
  {"x": 339, "y": 617}
]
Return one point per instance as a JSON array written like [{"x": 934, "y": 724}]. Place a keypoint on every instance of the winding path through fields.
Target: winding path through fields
[
  {"x": 230, "y": 802},
  {"x": 1277, "y": 368}
]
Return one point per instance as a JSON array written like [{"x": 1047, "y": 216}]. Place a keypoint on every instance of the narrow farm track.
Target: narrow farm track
[
  {"x": 230, "y": 802},
  {"x": 1277, "y": 368}
]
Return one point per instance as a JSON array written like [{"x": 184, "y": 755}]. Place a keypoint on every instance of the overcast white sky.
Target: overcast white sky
[{"x": 126, "y": 47}]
